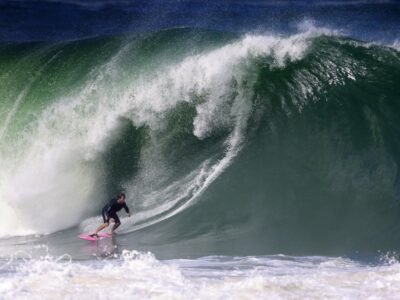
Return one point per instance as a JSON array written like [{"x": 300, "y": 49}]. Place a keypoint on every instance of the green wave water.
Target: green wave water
[{"x": 234, "y": 144}]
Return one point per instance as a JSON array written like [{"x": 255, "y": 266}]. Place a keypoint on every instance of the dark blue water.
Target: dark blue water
[{"x": 74, "y": 19}]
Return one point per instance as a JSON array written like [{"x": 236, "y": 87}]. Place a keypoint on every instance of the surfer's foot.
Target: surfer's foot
[{"x": 94, "y": 235}]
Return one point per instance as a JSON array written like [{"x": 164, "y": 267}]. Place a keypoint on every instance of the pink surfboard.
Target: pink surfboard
[{"x": 87, "y": 237}]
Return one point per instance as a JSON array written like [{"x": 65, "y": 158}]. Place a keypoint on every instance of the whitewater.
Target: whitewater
[
  {"x": 258, "y": 162},
  {"x": 215, "y": 277}
]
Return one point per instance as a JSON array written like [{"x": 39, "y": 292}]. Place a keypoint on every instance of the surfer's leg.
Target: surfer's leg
[
  {"x": 117, "y": 222},
  {"x": 101, "y": 227},
  {"x": 116, "y": 225},
  {"x": 106, "y": 220}
]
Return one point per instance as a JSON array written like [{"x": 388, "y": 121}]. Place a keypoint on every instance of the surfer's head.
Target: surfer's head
[{"x": 121, "y": 197}]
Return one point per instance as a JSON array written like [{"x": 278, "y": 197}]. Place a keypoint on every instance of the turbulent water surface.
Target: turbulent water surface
[{"x": 260, "y": 160}]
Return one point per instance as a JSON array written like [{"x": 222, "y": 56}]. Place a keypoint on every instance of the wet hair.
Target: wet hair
[{"x": 121, "y": 195}]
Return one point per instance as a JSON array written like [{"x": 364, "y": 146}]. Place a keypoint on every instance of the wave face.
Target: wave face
[{"x": 254, "y": 143}]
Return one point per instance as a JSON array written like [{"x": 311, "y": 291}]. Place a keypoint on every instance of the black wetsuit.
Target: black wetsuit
[{"x": 110, "y": 211}]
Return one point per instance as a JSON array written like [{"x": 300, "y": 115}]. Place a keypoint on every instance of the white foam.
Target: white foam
[{"x": 141, "y": 275}]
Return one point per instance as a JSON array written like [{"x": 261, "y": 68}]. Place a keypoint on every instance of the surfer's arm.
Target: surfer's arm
[{"x": 127, "y": 209}]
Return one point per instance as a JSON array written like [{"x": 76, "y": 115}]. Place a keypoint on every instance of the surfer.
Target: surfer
[{"x": 110, "y": 212}]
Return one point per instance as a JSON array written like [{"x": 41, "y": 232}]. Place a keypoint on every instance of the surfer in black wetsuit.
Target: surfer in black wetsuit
[{"x": 110, "y": 212}]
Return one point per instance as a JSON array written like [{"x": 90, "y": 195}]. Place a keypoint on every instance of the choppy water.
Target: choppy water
[{"x": 141, "y": 275}]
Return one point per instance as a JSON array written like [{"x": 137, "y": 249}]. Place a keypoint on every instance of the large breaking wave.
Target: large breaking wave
[{"x": 270, "y": 142}]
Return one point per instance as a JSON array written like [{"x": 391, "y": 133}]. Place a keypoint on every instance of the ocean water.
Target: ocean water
[{"x": 258, "y": 144}]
